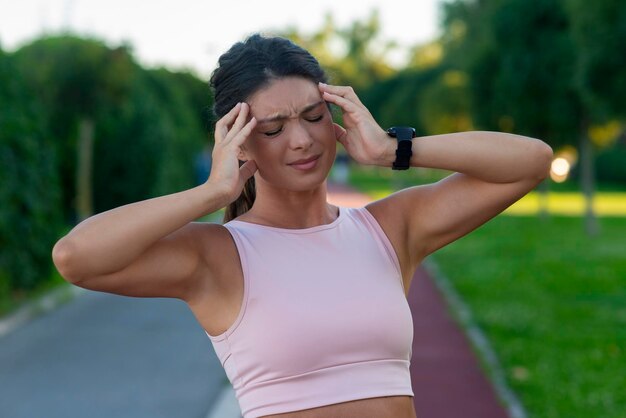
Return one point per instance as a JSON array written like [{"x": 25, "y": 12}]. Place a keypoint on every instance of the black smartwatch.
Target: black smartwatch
[{"x": 403, "y": 134}]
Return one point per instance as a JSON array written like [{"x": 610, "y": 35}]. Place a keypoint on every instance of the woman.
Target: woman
[{"x": 304, "y": 302}]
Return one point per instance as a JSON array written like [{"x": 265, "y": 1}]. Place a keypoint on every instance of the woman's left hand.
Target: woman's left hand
[{"x": 365, "y": 141}]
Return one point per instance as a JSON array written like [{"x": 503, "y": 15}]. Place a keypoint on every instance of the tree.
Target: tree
[
  {"x": 74, "y": 78},
  {"x": 30, "y": 215},
  {"x": 599, "y": 33},
  {"x": 519, "y": 56},
  {"x": 355, "y": 55},
  {"x": 184, "y": 101},
  {"x": 144, "y": 126},
  {"x": 149, "y": 141}
]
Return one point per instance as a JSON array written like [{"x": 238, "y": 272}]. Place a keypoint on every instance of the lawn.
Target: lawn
[{"x": 551, "y": 300}]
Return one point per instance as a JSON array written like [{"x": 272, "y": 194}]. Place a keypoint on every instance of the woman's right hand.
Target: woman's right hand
[{"x": 231, "y": 131}]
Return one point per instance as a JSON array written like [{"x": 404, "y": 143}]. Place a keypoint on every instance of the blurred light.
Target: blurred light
[
  {"x": 506, "y": 123},
  {"x": 605, "y": 135},
  {"x": 569, "y": 153},
  {"x": 560, "y": 166},
  {"x": 452, "y": 78},
  {"x": 559, "y": 169}
]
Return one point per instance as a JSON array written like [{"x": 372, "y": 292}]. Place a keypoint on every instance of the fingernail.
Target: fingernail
[{"x": 322, "y": 84}]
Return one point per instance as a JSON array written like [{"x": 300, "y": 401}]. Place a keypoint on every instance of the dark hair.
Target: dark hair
[{"x": 246, "y": 68}]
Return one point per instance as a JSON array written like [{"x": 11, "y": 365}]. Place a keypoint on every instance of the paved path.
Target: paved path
[
  {"x": 109, "y": 356},
  {"x": 445, "y": 374}
]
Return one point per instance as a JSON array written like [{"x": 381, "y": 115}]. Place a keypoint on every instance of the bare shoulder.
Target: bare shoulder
[
  {"x": 392, "y": 211},
  {"x": 211, "y": 235},
  {"x": 388, "y": 212},
  {"x": 218, "y": 250},
  {"x": 217, "y": 299},
  {"x": 431, "y": 216}
]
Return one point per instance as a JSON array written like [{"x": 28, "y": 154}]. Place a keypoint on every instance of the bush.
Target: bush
[{"x": 30, "y": 215}]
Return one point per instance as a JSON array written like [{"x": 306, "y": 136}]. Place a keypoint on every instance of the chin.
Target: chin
[
  {"x": 306, "y": 183},
  {"x": 299, "y": 183}
]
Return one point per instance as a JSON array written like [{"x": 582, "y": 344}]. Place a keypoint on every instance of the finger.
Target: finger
[
  {"x": 221, "y": 127},
  {"x": 247, "y": 170},
  {"x": 343, "y": 91},
  {"x": 245, "y": 132},
  {"x": 345, "y": 104},
  {"x": 340, "y": 132},
  {"x": 241, "y": 119}
]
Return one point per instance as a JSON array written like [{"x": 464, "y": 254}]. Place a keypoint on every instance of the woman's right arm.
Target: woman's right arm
[
  {"x": 152, "y": 248},
  {"x": 147, "y": 248}
]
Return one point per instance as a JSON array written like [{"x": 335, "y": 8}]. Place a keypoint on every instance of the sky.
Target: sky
[{"x": 192, "y": 34}]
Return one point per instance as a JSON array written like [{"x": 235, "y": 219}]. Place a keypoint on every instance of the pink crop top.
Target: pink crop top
[{"x": 324, "y": 317}]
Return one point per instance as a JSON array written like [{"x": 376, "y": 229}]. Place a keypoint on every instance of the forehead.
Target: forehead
[{"x": 285, "y": 96}]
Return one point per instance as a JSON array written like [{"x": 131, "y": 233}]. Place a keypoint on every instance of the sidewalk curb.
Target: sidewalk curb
[
  {"x": 478, "y": 340},
  {"x": 43, "y": 304}
]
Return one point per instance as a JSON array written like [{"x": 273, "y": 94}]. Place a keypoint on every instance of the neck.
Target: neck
[{"x": 291, "y": 209}]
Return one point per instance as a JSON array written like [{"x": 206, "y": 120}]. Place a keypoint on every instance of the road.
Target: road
[{"x": 104, "y": 355}]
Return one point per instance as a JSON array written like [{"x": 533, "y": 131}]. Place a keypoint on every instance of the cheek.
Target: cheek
[
  {"x": 266, "y": 155},
  {"x": 257, "y": 147},
  {"x": 326, "y": 129}
]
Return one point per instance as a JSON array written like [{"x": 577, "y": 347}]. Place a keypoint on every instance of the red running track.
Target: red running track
[{"x": 446, "y": 376}]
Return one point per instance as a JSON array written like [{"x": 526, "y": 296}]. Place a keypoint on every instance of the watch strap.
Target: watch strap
[
  {"x": 403, "y": 134},
  {"x": 403, "y": 155}
]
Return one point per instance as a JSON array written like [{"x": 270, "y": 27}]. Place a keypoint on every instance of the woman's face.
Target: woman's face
[{"x": 293, "y": 123}]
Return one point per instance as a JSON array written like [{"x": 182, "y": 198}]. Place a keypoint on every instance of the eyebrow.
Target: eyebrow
[{"x": 305, "y": 109}]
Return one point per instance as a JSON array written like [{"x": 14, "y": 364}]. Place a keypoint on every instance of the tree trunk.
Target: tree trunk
[
  {"x": 84, "y": 204},
  {"x": 587, "y": 183}
]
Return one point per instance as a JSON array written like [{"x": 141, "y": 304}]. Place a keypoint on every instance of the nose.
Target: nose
[{"x": 300, "y": 137}]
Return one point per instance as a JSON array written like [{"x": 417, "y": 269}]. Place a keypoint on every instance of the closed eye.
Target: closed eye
[
  {"x": 276, "y": 132},
  {"x": 317, "y": 119}
]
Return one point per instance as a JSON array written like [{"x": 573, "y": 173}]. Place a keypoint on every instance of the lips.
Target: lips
[{"x": 305, "y": 160}]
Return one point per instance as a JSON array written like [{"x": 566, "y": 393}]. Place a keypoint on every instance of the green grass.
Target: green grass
[
  {"x": 553, "y": 304},
  {"x": 550, "y": 299}
]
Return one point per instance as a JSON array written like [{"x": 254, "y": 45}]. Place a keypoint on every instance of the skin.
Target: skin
[
  {"x": 152, "y": 248},
  {"x": 492, "y": 170},
  {"x": 287, "y": 197}
]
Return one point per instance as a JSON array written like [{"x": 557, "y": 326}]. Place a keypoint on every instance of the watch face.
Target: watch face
[{"x": 401, "y": 132}]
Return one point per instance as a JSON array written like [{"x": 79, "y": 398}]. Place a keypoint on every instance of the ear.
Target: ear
[
  {"x": 242, "y": 155},
  {"x": 339, "y": 132}
]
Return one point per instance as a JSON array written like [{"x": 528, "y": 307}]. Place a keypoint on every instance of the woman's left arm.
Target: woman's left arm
[
  {"x": 494, "y": 157},
  {"x": 492, "y": 171}
]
